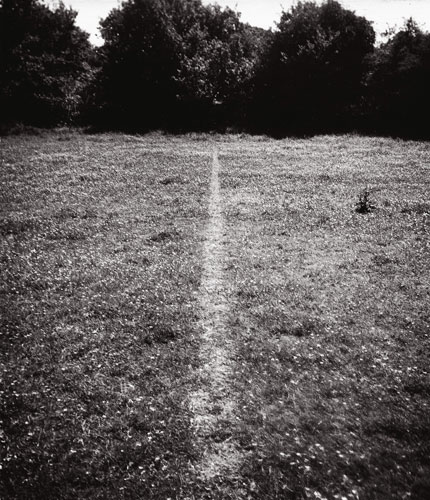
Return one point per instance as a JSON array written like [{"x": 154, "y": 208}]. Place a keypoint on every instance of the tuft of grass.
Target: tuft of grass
[
  {"x": 163, "y": 236},
  {"x": 170, "y": 180},
  {"x": 364, "y": 204},
  {"x": 420, "y": 208}
]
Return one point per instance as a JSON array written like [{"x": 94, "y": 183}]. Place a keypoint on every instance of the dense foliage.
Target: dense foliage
[
  {"x": 44, "y": 58},
  {"x": 170, "y": 62},
  {"x": 179, "y": 64},
  {"x": 312, "y": 75},
  {"x": 399, "y": 83}
]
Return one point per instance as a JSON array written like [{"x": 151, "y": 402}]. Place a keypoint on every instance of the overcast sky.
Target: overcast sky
[{"x": 264, "y": 13}]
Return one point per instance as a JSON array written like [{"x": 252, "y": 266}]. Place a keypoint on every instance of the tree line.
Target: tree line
[{"x": 180, "y": 65}]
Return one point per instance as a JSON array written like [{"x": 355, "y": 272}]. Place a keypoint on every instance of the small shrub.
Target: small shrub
[{"x": 364, "y": 204}]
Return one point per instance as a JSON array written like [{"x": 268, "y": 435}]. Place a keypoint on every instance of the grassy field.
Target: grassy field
[{"x": 101, "y": 258}]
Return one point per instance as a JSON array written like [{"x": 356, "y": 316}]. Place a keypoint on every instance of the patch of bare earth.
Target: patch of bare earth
[{"x": 213, "y": 404}]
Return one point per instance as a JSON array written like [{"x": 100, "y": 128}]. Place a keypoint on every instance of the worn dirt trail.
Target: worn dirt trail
[{"x": 213, "y": 405}]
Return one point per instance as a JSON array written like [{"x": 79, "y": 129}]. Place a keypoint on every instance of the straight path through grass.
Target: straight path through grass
[
  {"x": 213, "y": 404},
  {"x": 123, "y": 291}
]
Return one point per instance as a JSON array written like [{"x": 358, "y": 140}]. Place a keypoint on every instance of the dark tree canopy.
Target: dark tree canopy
[
  {"x": 312, "y": 74},
  {"x": 399, "y": 83},
  {"x": 43, "y": 56},
  {"x": 168, "y": 62},
  {"x": 181, "y": 65}
]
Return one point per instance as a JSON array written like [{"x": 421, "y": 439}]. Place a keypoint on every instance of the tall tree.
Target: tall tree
[
  {"x": 217, "y": 60},
  {"x": 168, "y": 62},
  {"x": 399, "y": 83},
  {"x": 135, "y": 85},
  {"x": 44, "y": 60},
  {"x": 311, "y": 76}
]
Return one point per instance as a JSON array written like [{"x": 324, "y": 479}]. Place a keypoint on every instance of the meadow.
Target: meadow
[{"x": 328, "y": 309}]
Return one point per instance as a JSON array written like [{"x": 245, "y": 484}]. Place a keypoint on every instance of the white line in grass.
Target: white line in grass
[{"x": 214, "y": 402}]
